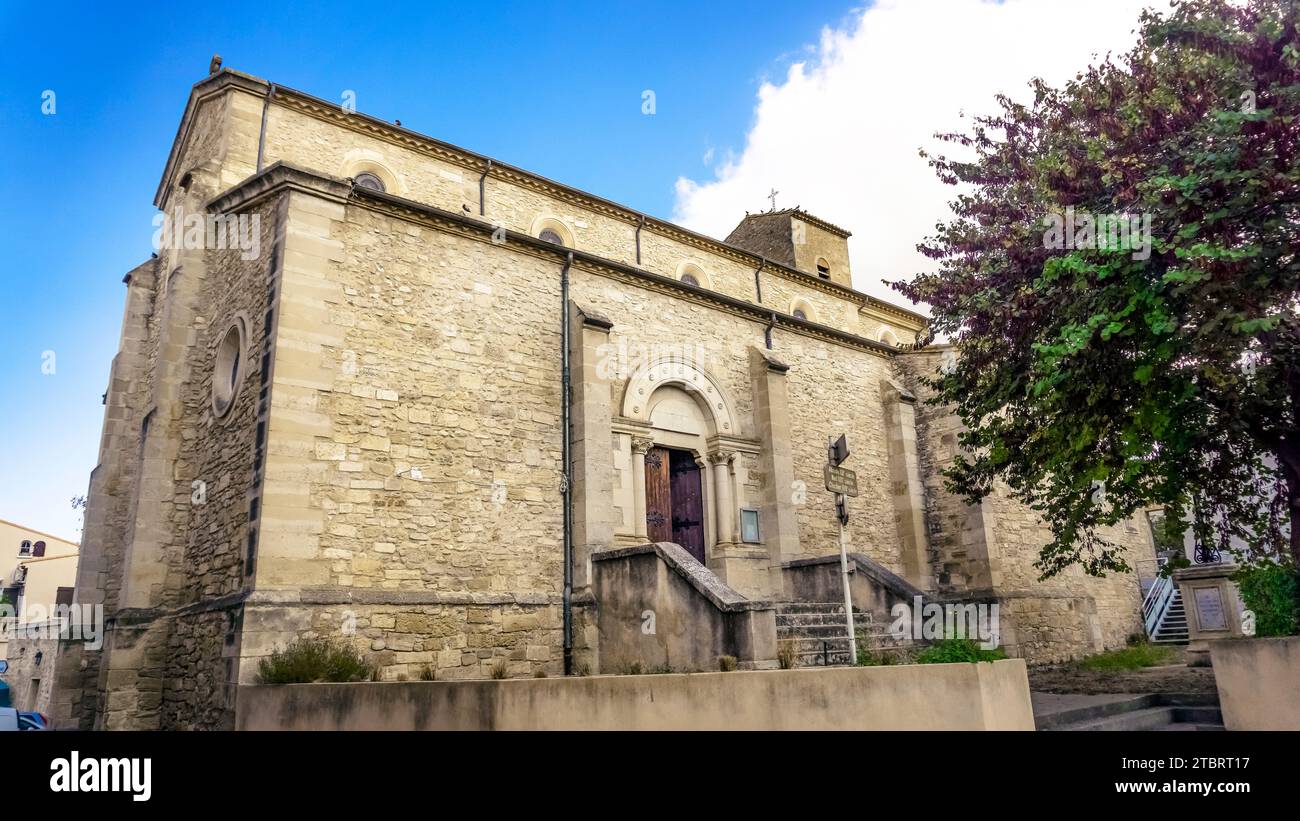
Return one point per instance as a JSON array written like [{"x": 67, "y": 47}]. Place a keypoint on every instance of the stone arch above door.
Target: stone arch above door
[{"x": 698, "y": 383}]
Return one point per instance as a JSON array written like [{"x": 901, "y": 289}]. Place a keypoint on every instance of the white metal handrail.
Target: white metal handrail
[{"x": 1157, "y": 602}]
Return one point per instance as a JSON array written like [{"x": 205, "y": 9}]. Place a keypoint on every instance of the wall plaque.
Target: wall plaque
[{"x": 1210, "y": 613}]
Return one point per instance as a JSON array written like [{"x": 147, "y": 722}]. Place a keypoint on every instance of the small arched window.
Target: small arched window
[
  {"x": 823, "y": 268},
  {"x": 692, "y": 274},
  {"x": 38, "y": 549},
  {"x": 25, "y": 549},
  {"x": 550, "y": 236},
  {"x": 800, "y": 314},
  {"x": 367, "y": 180}
]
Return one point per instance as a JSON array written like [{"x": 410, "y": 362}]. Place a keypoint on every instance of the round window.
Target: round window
[
  {"x": 551, "y": 236},
  {"x": 367, "y": 180},
  {"x": 229, "y": 368},
  {"x": 690, "y": 279}
]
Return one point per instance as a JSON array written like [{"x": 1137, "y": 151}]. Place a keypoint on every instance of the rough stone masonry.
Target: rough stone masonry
[{"x": 357, "y": 432}]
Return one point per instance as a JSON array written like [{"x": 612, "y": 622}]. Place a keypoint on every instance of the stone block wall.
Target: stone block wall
[{"x": 989, "y": 550}]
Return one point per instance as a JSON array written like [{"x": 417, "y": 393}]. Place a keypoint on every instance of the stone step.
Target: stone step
[
  {"x": 1200, "y": 716},
  {"x": 811, "y": 607},
  {"x": 1198, "y": 711},
  {"x": 835, "y": 659},
  {"x": 1152, "y": 718},
  {"x": 832, "y": 629},
  {"x": 815, "y": 645},
  {"x": 817, "y": 619}
]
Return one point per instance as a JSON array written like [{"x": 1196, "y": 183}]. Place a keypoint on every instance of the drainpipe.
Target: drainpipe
[
  {"x": 565, "y": 451},
  {"x": 482, "y": 190},
  {"x": 767, "y": 332},
  {"x": 261, "y": 137},
  {"x": 758, "y": 284},
  {"x": 639, "y": 226}
]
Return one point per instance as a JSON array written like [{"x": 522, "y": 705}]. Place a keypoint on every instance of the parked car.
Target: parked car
[
  {"x": 11, "y": 719},
  {"x": 18, "y": 720}
]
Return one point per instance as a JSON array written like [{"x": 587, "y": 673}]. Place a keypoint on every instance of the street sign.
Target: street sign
[
  {"x": 841, "y": 480},
  {"x": 839, "y": 450}
]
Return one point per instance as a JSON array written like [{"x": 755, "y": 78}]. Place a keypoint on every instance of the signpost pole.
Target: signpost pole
[
  {"x": 842, "y": 514},
  {"x": 844, "y": 571}
]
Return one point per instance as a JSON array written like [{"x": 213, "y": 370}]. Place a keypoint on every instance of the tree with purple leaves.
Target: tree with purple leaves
[{"x": 1122, "y": 278}]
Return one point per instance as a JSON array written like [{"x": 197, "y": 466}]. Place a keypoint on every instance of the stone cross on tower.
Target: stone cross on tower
[{"x": 772, "y": 196}]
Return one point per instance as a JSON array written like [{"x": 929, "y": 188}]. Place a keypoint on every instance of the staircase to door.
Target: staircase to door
[
  {"x": 1164, "y": 614},
  {"x": 818, "y": 636}
]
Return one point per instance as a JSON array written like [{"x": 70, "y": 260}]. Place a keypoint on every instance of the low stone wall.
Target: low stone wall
[
  {"x": 873, "y": 586},
  {"x": 1259, "y": 682},
  {"x": 986, "y": 696},
  {"x": 659, "y": 609}
]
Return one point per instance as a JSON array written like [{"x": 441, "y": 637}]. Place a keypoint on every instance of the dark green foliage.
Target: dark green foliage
[
  {"x": 1269, "y": 590},
  {"x": 306, "y": 661},
  {"x": 949, "y": 651},
  {"x": 1094, "y": 380}
]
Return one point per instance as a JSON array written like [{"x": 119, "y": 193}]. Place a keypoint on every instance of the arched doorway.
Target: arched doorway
[
  {"x": 674, "y": 491},
  {"x": 683, "y": 480}
]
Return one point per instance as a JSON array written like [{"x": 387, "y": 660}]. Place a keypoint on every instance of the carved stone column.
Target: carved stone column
[
  {"x": 640, "y": 447},
  {"x": 725, "y": 508}
]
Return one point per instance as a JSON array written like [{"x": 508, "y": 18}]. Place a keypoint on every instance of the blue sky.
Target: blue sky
[{"x": 556, "y": 89}]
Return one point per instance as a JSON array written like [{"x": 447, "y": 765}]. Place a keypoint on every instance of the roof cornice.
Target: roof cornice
[
  {"x": 478, "y": 163},
  {"x": 283, "y": 177}
]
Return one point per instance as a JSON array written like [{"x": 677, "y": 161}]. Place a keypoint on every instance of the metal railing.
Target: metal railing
[{"x": 1157, "y": 602}]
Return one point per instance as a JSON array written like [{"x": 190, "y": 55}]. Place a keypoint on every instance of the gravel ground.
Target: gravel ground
[{"x": 1172, "y": 678}]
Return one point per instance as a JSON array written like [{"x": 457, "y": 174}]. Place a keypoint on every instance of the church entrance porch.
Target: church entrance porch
[{"x": 674, "y": 499}]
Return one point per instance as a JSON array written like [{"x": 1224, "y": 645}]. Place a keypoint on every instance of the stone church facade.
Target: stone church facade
[{"x": 358, "y": 431}]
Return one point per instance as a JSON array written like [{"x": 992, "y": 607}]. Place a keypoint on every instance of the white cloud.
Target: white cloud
[{"x": 839, "y": 136}]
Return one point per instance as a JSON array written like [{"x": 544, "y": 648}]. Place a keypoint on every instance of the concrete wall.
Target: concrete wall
[
  {"x": 661, "y": 609},
  {"x": 1259, "y": 682},
  {"x": 987, "y": 696}
]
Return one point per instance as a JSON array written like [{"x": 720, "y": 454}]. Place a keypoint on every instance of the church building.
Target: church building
[{"x": 377, "y": 388}]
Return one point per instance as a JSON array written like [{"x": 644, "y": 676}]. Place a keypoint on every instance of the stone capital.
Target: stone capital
[
  {"x": 722, "y": 457},
  {"x": 642, "y": 444}
]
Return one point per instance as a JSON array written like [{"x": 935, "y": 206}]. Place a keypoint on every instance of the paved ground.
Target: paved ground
[
  {"x": 1050, "y": 703},
  {"x": 1171, "y": 678}
]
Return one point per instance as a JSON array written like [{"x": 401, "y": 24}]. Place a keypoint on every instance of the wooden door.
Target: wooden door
[
  {"x": 688, "y": 503},
  {"x": 658, "y": 496}
]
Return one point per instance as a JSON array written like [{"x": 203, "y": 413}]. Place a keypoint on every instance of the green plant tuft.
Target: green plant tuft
[
  {"x": 727, "y": 663},
  {"x": 309, "y": 660},
  {"x": 950, "y": 651},
  {"x": 1133, "y": 657}
]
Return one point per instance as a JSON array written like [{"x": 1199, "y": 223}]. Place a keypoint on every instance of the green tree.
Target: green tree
[{"x": 1104, "y": 377}]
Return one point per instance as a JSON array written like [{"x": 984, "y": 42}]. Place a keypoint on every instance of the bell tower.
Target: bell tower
[{"x": 796, "y": 238}]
